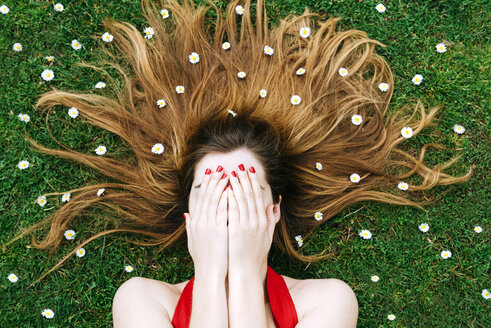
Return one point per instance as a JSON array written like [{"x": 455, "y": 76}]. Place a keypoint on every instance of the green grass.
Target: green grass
[{"x": 416, "y": 284}]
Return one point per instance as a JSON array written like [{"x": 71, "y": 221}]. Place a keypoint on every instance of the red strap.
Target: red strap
[{"x": 182, "y": 314}]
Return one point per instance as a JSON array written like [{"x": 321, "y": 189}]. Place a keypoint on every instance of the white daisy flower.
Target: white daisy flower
[
  {"x": 446, "y": 254},
  {"x": 59, "y": 7},
  {"x": 100, "y": 85},
  {"x": 107, "y": 37},
  {"x": 296, "y": 100},
  {"x": 239, "y": 10},
  {"x": 24, "y": 117},
  {"x": 318, "y": 216},
  {"x": 13, "y": 277},
  {"x": 391, "y": 317},
  {"x": 70, "y": 234},
  {"x": 128, "y": 268},
  {"x": 304, "y": 32},
  {"x": 149, "y": 32},
  {"x": 403, "y": 186},
  {"x": 263, "y": 93},
  {"x": 41, "y": 201},
  {"x": 441, "y": 48},
  {"x": 50, "y": 58},
  {"x": 194, "y": 58},
  {"x": 179, "y": 89},
  {"x": 485, "y": 293},
  {"x": 375, "y": 278},
  {"x": 380, "y": 8},
  {"x": 343, "y": 71},
  {"x": 164, "y": 13},
  {"x": 417, "y": 79},
  {"x": 100, "y": 191},
  {"x": 66, "y": 197},
  {"x": 101, "y": 150},
  {"x": 158, "y": 148},
  {"x": 161, "y": 103},
  {"x": 424, "y": 227},
  {"x": 458, "y": 128},
  {"x": 301, "y": 71},
  {"x": 241, "y": 75},
  {"x": 299, "y": 240},
  {"x": 23, "y": 165},
  {"x": 73, "y": 112},
  {"x": 48, "y": 313},
  {"x": 268, "y": 50},
  {"x": 365, "y": 234},
  {"x": 355, "y": 178},
  {"x": 80, "y": 252},
  {"x": 407, "y": 132},
  {"x": 76, "y": 45},
  {"x": 17, "y": 46},
  {"x": 47, "y": 75},
  {"x": 356, "y": 119},
  {"x": 383, "y": 86},
  {"x": 478, "y": 229},
  {"x": 4, "y": 9},
  {"x": 226, "y": 45},
  {"x": 318, "y": 166},
  {"x": 232, "y": 112}
]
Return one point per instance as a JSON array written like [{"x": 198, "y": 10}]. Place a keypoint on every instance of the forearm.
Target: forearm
[{"x": 209, "y": 306}]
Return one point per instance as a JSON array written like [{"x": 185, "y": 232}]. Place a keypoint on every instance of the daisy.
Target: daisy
[
  {"x": 486, "y": 294},
  {"x": 365, "y": 234},
  {"x": 164, "y": 13},
  {"x": 100, "y": 85},
  {"x": 41, "y": 201},
  {"x": 48, "y": 313},
  {"x": 24, "y": 117},
  {"x": 458, "y": 128},
  {"x": 296, "y": 100},
  {"x": 383, "y": 86},
  {"x": 59, "y": 7},
  {"x": 356, "y": 119},
  {"x": 179, "y": 89},
  {"x": 375, "y": 278},
  {"x": 158, "y": 148},
  {"x": 239, "y": 10},
  {"x": 100, "y": 191},
  {"x": 49, "y": 58},
  {"x": 343, "y": 71},
  {"x": 226, "y": 45},
  {"x": 13, "y": 278},
  {"x": 402, "y": 186},
  {"x": 318, "y": 216},
  {"x": 263, "y": 93},
  {"x": 70, "y": 234},
  {"x": 194, "y": 58},
  {"x": 380, "y": 8},
  {"x": 66, "y": 197},
  {"x": 101, "y": 150},
  {"x": 80, "y": 252},
  {"x": 441, "y": 48},
  {"x": 107, "y": 37},
  {"x": 446, "y": 254},
  {"x": 23, "y": 165},
  {"x": 17, "y": 46},
  {"x": 304, "y": 32},
  {"x": 148, "y": 32},
  {"x": 128, "y": 268},
  {"x": 417, "y": 79},
  {"x": 354, "y": 178},
  {"x": 318, "y": 166},
  {"x": 424, "y": 227},
  {"x": 161, "y": 103},
  {"x": 4, "y": 9},
  {"x": 299, "y": 240},
  {"x": 232, "y": 112},
  {"x": 407, "y": 132},
  {"x": 73, "y": 112},
  {"x": 47, "y": 75},
  {"x": 241, "y": 75},
  {"x": 301, "y": 71},
  {"x": 268, "y": 50},
  {"x": 76, "y": 45},
  {"x": 391, "y": 317},
  {"x": 478, "y": 229}
]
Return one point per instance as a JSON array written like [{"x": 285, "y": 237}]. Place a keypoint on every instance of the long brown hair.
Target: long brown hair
[{"x": 218, "y": 111}]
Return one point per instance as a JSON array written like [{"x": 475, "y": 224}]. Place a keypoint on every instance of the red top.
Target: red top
[{"x": 284, "y": 312}]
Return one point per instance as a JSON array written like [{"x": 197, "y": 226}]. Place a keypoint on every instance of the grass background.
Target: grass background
[{"x": 416, "y": 285}]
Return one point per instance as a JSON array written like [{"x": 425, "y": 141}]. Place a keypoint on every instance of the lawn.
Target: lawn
[{"x": 416, "y": 284}]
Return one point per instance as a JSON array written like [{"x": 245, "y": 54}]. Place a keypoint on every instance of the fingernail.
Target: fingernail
[
  {"x": 208, "y": 172},
  {"x": 241, "y": 167},
  {"x": 184, "y": 214},
  {"x": 251, "y": 169},
  {"x": 233, "y": 174},
  {"x": 231, "y": 188},
  {"x": 224, "y": 175},
  {"x": 219, "y": 168}
]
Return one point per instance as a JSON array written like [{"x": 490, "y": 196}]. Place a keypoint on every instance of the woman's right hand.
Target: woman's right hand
[{"x": 206, "y": 226}]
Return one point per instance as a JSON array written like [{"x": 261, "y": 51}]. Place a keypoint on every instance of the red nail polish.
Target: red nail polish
[
  {"x": 183, "y": 214},
  {"x": 251, "y": 169},
  {"x": 233, "y": 174},
  {"x": 241, "y": 167},
  {"x": 219, "y": 168},
  {"x": 224, "y": 176},
  {"x": 231, "y": 188},
  {"x": 208, "y": 172}
]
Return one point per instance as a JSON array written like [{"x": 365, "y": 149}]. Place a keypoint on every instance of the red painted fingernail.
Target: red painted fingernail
[
  {"x": 208, "y": 172},
  {"x": 251, "y": 169},
  {"x": 219, "y": 168},
  {"x": 241, "y": 167},
  {"x": 183, "y": 214},
  {"x": 231, "y": 188},
  {"x": 233, "y": 174},
  {"x": 224, "y": 176}
]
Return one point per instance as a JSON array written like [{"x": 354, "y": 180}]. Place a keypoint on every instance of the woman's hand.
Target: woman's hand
[{"x": 206, "y": 226}]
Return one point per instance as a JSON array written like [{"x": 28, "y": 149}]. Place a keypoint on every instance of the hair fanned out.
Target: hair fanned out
[{"x": 151, "y": 197}]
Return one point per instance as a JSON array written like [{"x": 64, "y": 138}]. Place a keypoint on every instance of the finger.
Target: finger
[
  {"x": 201, "y": 191},
  {"x": 215, "y": 198},
  {"x": 249, "y": 196},
  {"x": 258, "y": 197},
  {"x": 239, "y": 195},
  {"x": 233, "y": 209},
  {"x": 208, "y": 191},
  {"x": 221, "y": 214}
]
